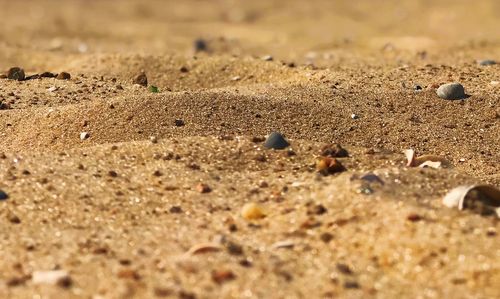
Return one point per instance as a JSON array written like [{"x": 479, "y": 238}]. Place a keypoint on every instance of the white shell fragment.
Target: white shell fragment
[
  {"x": 424, "y": 160},
  {"x": 485, "y": 197},
  {"x": 49, "y": 277},
  {"x": 203, "y": 248},
  {"x": 283, "y": 244}
]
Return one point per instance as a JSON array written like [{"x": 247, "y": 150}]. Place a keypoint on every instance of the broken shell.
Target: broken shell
[
  {"x": 203, "y": 248},
  {"x": 283, "y": 244},
  {"x": 425, "y": 160},
  {"x": 480, "y": 198}
]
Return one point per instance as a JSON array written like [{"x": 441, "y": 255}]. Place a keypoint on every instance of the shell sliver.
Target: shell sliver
[{"x": 481, "y": 199}]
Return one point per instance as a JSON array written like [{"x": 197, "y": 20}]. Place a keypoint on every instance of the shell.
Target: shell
[
  {"x": 457, "y": 197},
  {"x": 424, "y": 160}
]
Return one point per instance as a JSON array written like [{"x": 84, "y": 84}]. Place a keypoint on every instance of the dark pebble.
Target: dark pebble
[
  {"x": 175, "y": 210},
  {"x": 276, "y": 141},
  {"x": 3, "y": 195},
  {"x": 141, "y": 79},
  {"x": 344, "y": 269},
  {"x": 16, "y": 73},
  {"x": 334, "y": 151},
  {"x": 351, "y": 285},
  {"x": 63, "y": 76},
  {"x": 179, "y": 123},
  {"x": 200, "y": 45},
  {"x": 234, "y": 248},
  {"x": 47, "y": 75}
]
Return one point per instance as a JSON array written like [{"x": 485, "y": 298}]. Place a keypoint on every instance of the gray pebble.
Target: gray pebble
[
  {"x": 3, "y": 195},
  {"x": 16, "y": 73},
  {"x": 451, "y": 91},
  {"x": 486, "y": 62},
  {"x": 276, "y": 141}
]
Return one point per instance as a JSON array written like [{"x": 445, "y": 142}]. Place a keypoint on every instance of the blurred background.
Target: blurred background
[{"x": 313, "y": 30}]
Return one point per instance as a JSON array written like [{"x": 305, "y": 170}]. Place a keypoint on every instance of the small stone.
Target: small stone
[
  {"x": 417, "y": 87},
  {"x": 203, "y": 188},
  {"x": 326, "y": 237},
  {"x": 153, "y": 139},
  {"x": 267, "y": 58},
  {"x": 141, "y": 79},
  {"x": 112, "y": 173},
  {"x": 184, "y": 69},
  {"x": 334, "y": 151},
  {"x": 318, "y": 210},
  {"x": 175, "y": 210},
  {"x": 414, "y": 217},
  {"x": 200, "y": 45},
  {"x": 252, "y": 211},
  {"x": 50, "y": 277},
  {"x": 16, "y": 73},
  {"x": 163, "y": 292},
  {"x": 276, "y": 141},
  {"x": 47, "y": 75},
  {"x": 327, "y": 165},
  {"x": 179, "y": 123},
  {"x": 344, "y": 269},
  {"x": 351, "y": 285},
  {"x": 221, "y": 276},
  {"x": 128, "y": 274},
  {"x": 3, "y": 195},
  {"x": 451, "y": 91},
  {"x": 13, "y": 218},
  {"x": 486, "y": 62},
  {"x": 354, "y": 116},
  {"x": 63, "y": 76},
  {"x": 236, "y": 78},
  {"x": 84, "y": 135},
  {"x": 234, "y": 249}
]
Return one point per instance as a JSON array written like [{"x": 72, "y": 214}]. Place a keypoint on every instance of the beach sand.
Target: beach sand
[{"x": 148, "y": 203}]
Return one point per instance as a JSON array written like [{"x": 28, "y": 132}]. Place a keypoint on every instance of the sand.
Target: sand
[{"x": 121, "y": 211}]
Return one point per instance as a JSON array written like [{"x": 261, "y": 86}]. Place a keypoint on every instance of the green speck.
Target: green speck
[{"x": 153, "y": 88}]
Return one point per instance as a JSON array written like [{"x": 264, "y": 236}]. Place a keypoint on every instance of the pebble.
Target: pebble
[
  {"x": 334, "y": 150},
  {"x": 200, "y": 45},
  {"x": 486, "y": 62},
  {"x": 327, "y": 165},
  {"x": 3, "y": 195},
  {"x": 276, "y": 141},
  {"x": 354, "y": 116},
  {"x": 47, "y": 75},
  {"x": 16, "y": 73},
  {"x": 203, "y": 188},
  {"x": 252, "y": 211},
  {"x": 59, "y": 277},
  {"x": 221, "y": 276},
  {"x": 451, "y": 91},
  {"x": 63, "y": 76},
  {"x": 84, "y": 135},
  {"x": 267, "y": 58},
  {"x": 179, "y": 123},
  {"x": 141, "y": 79},
  {"x": 153, "y": 139}
]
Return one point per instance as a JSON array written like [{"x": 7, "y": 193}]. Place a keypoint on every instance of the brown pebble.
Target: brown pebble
[
  {"x": 203, "y": 188},
  {"x": 112, "y": 173},
  {"x": 221, "y": 276},
  {"x": 414, "y": 217},
  {"x": 234, "y": 249},
  {"x": 16, "y": 73},
  {"x": 141, "y": 79},
  {"x": 327, "y": 165},
  {"x": 65, "y": 282},
  {"x": 334, "y": 151},
  {"x": 47, "y": 75},
  {"x": 13, "y": 218},
  {"x": 184, "y": 69},
  {"x": 163, "y": 292},
  {"x": 326, "y": 237},
  {"x": 344, "y": 269},
  {"x": 128, "y": 274},
  {"x": 63, "y": 76}
]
